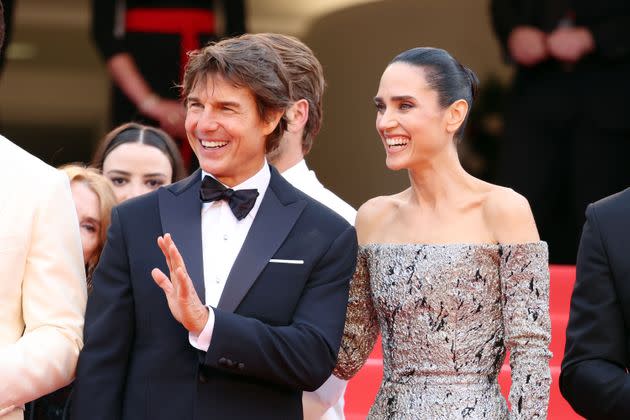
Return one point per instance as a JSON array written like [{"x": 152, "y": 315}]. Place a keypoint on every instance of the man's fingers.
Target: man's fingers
[
  {"x": 175, "y": 264},
  {"x": 162, "y": 243},
  {"x": 185, "y": 287},
  {"x": 162, "y": 280},
  {"x": 173, "y": 253},
  {"x": 176, "y": 258}
]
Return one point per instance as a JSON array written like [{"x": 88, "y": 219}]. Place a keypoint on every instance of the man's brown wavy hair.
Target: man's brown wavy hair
[{"x": 307, "y": 80}]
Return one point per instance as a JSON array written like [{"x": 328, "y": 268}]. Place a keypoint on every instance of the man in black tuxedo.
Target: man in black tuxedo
[
  {"x": 253, "y": 275},
  {"x": 594, "y": 377}
]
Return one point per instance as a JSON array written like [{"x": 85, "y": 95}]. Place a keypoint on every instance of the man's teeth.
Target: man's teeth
[
  {"x": 397, "y": 141},
  {"x": 213, "y": 144}
]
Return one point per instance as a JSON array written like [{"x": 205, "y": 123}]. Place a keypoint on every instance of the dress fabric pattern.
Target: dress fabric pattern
[{"x": 447, "y": 315}]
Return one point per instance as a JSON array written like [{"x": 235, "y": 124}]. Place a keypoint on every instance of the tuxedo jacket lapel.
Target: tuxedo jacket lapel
[
  {"x": 180, "y": 214},
  {"x": 278, "y": 212}
]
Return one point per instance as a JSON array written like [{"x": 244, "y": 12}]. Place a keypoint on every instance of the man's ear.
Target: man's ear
[
  {"x": 455, "y": 115},
  {"x": 297, "y": 116},
  {"x": 271, "y": 121}
]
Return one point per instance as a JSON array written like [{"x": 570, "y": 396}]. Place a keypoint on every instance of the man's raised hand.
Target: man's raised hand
[{"x": 181, "y": 296}]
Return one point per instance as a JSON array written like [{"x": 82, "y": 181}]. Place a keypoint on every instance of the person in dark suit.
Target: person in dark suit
[
  {"x": 241, "y": 306},
  {"x": 566, "y": 109},
  {"x": 594, "y": 377}
]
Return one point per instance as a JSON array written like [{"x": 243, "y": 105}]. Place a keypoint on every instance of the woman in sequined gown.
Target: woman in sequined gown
[{"x": 451, "y": 271}]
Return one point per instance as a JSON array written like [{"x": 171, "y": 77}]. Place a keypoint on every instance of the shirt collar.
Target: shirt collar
[{"x": 297, "y": 172}]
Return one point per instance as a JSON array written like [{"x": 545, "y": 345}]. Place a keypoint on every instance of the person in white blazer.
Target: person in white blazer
[{"x": 42, "y": 280}]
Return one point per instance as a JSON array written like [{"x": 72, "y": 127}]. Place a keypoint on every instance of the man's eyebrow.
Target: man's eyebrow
[{"x": 229, "y": 103}]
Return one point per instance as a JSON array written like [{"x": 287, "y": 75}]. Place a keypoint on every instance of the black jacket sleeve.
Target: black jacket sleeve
[
  {"x": 593, "y": 377},
  {"x": 105, "y": 14},
  {"x": 108, "y": 335}
]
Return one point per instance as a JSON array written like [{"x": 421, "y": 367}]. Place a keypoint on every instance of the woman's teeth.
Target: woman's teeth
[{"x": 396, "y": 141}]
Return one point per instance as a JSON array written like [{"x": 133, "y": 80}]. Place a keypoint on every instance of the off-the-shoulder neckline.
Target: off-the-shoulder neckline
[{"x": 450, "y": 245}]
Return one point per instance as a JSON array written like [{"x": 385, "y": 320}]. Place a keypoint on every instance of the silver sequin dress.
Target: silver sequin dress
[{"x": 447, "y": 315}]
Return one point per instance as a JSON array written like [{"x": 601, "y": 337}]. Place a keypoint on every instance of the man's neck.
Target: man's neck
[
  {"x": 289, "y": 153},
  {"x": 287, "y": 162}
]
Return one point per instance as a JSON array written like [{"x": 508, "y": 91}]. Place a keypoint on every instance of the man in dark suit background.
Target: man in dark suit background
[
  {"x": 594, "y": 377},
  {"x": 253, "y": 282}
]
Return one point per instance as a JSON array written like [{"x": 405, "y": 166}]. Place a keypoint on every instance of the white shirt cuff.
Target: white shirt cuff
[
  {"x": 331, "y": 392},
  {"x": 202, "y": 342}
]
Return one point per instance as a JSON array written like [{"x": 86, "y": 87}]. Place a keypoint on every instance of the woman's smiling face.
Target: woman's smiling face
[{"x": 409, "y": 118}]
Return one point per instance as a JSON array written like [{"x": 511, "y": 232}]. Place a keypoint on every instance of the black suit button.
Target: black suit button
[
  {"x": 241, "y": 366},
  {"x": 203, "y": 378},
  {"x": 223, "y": 361}
]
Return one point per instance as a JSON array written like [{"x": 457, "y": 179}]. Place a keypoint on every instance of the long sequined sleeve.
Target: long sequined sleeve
[
  {"x": 361, "y": 329},
  {"x": 524, "y": 274}
]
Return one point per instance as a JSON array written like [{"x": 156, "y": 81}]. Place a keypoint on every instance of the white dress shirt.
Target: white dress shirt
[
  {"x": 222, "y": 237},
  {"x": 326, "y": 403},
  {"x": 306, "y": 181}
]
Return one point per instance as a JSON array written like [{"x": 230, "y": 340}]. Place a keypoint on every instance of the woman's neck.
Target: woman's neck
[{"x": 439, "y": 180}]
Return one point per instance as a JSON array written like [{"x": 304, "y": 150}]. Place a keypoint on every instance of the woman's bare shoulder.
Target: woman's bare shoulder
[
  {"x": 509, "y": 216},
  {"x": 373, "y": 214}
]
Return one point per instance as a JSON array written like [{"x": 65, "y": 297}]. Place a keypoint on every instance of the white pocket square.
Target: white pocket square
[{"x": 273, "y": 260}]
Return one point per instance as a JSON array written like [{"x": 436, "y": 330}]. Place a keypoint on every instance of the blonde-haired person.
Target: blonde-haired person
[{"x": 94, "y": 199}]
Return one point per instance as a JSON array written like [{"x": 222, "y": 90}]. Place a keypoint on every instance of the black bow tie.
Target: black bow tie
[{"x": 240, "y": 201}]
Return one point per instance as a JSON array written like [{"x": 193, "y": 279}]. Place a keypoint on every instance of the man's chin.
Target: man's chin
[
  {"x": 212, "y": 170},
  {"x": 211, "y": 166}
]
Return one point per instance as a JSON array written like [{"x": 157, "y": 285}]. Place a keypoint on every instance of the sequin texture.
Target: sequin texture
[{"x": 447, "y": 315}]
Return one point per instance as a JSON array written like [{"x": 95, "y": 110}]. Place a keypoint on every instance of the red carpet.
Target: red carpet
[{"x": 363, "y": 387}]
